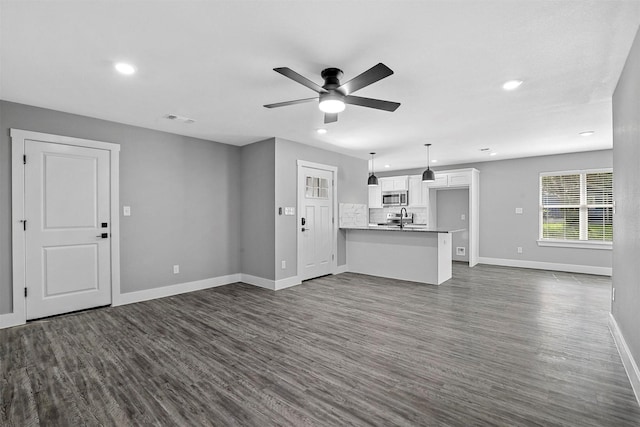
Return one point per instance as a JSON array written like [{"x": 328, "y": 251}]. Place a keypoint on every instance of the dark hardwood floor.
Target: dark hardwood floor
[{"x": 492, "y": 346}]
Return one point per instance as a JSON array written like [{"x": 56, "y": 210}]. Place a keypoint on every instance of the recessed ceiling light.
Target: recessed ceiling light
[
  {"x": 124, "y": 68},
  {"x": 587, "y": 133},
  {"x": 512, "y": 84},
  {"x": 387, "y": 166},
  {"x": 321, "y": 131},
  {"x": 493, "y": 154},
  {"x": 434, "y": 161}
]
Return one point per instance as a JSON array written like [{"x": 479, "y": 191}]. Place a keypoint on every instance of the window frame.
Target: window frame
[{"x": 583, "y": 222}]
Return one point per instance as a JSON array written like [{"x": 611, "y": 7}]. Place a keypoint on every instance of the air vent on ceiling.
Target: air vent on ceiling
[{"x": 178, "y": 118}]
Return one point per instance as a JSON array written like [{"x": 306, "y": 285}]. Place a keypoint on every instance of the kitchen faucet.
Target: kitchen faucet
[{"x": 402, "y": 217}]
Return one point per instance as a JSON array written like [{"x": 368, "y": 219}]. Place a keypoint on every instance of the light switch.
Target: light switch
[
  {"x": 126, "y": 210},
  {"x": 289, "y": 211},
  {"x": 518, "y": 211}
]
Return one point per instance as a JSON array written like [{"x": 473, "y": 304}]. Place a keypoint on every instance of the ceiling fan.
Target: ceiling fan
[{"x": 334, "y": 96}]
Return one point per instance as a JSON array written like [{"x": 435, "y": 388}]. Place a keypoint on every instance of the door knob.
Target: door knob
[
  {"x": 305, "y": 229},
  {"x": 103, "y": 235}
]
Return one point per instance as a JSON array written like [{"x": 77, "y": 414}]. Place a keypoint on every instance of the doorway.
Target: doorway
[
  {"x": 452, "y": 212},
  {"x": 317, "y": 233},
  {"x": 65, "y": 224}
]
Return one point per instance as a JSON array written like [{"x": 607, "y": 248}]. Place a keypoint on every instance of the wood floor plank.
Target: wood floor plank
[{"x": 492, "y": 346}]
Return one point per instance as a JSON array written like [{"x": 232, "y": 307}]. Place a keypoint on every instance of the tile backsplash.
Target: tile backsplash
[
  {"x": 352, "y": 215},
  {"x": 379, "y": 215}
]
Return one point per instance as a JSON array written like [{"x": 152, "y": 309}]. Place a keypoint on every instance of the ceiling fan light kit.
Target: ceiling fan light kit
[
  {"x": 331, "y": 103},
  {"x": 333, "y": 96}
]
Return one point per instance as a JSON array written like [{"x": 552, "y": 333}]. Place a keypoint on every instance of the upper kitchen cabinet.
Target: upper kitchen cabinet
[
  {"x": 375, "y": 196},
  {"x": 394, "y": 183},
  {"x": 458, "y": 178},
  {"x": 418, "y": 192}
]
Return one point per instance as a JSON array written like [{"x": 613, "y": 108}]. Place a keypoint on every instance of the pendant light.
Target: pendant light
[
  {"x": 373, "y": 180},
  {"x": 428, "y": 175}
]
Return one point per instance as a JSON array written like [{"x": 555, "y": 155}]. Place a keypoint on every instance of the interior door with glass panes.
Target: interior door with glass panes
[{"x": 316, "y": 216}]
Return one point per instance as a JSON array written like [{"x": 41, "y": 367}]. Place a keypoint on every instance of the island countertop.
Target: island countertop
[{"x": 407, "y": 228}]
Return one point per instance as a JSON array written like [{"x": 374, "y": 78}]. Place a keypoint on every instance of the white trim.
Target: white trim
[
  {"x": 287, "y": 283},
  {"x": 18, "y": 137},
  {"x": 10, "y": 319},
  {"x": 258, "y": 281},
  {"x": 576, "y": 171},
  {"x": 179, "y": 288},
  {"x": 299, "y": 193},
  {"x": 341, "y": 269},
  {"x": 579, "y": 244},
  {"x": 538, "y": 265},
  {"x": 627, "y": 358}
]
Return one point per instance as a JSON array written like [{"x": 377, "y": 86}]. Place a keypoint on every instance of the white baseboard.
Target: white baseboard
[
  {"x": 569, "y": 268},
  {"x": 180, "y": 288},
  {"x": 10, "y": 319},
  {"x": 287, "y": 283},
  {"x": 258, "y": 281},
  {"x": 627, "y": 358},
  {"x": 274, "y": 285},
  {"x": 341, "y": 269}
]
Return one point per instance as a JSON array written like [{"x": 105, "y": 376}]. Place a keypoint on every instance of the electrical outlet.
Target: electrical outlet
[
  {"x": 519, "y": 249},
  {"x": 284, "y": 264},
  {"x": 518, "y": 211},
  {"x": 126, "y": 211},
  {"x": 176, "y": 269},
  {"x": 463, "y": 217}
]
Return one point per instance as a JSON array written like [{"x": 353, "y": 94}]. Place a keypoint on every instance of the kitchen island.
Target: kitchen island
[{"x": 417, "y": 254}]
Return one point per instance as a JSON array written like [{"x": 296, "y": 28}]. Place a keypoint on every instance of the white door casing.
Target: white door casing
[
  {"x": 66, "y": 190},
  {"x": 316, "y": 206}
]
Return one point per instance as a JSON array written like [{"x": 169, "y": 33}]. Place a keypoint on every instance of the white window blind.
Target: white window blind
[{"x": 577, "y": 206}]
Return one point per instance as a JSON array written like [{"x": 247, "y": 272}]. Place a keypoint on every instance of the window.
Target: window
[
  {"x": 576, "y": 206},
  {"x": 316, "y": 188}
]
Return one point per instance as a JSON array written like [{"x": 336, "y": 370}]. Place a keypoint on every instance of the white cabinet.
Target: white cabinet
[
  {"x": 457, "y": 179},
  {"x": 418, "y": 192},
  {"x": 394, "y": 183},
  {"x": 452, "y": 179},
  {"x": 442, "y": 180},
  {"x": 375, "y": 196}
]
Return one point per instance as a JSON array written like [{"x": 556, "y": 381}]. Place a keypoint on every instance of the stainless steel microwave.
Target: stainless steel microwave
[{"x": 395, "y": 198}]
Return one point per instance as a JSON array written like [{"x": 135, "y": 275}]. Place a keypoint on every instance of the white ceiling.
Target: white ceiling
[{"x": 212, "y": 61}]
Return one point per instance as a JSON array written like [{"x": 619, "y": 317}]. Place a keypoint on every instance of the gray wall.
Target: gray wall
[
  {"x": 352, "y": 188},
  {"x": 509, "y": 184},
  {"x": 450, "y": 205},
  {"x": 626, "y": 231},
  {"x": 258, "y": 234},
  {"x": 182, "y": 192}
]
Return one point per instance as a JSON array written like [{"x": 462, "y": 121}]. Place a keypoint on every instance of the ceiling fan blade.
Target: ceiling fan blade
[
  {"x": 288, "y": 72},
  {"x": 330, "y": 118},
  {"x": 372, "y": 75},
  {"x": 371, "y": 103},
  {"x": 284, "y": 104}
]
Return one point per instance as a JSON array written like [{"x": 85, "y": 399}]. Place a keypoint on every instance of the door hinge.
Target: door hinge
[
  {"x": 24, "y": 224},
  {"x": 25, "y": 292},
  {"x": 24, "y": 159},
  {"x": 332, "y": 257},
  {"x": 333, "y": 220}
]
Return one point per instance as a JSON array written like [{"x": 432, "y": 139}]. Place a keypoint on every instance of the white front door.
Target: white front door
[
  {"x": 316, "y": 222},
  {"x": 67, "y": 208}
]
